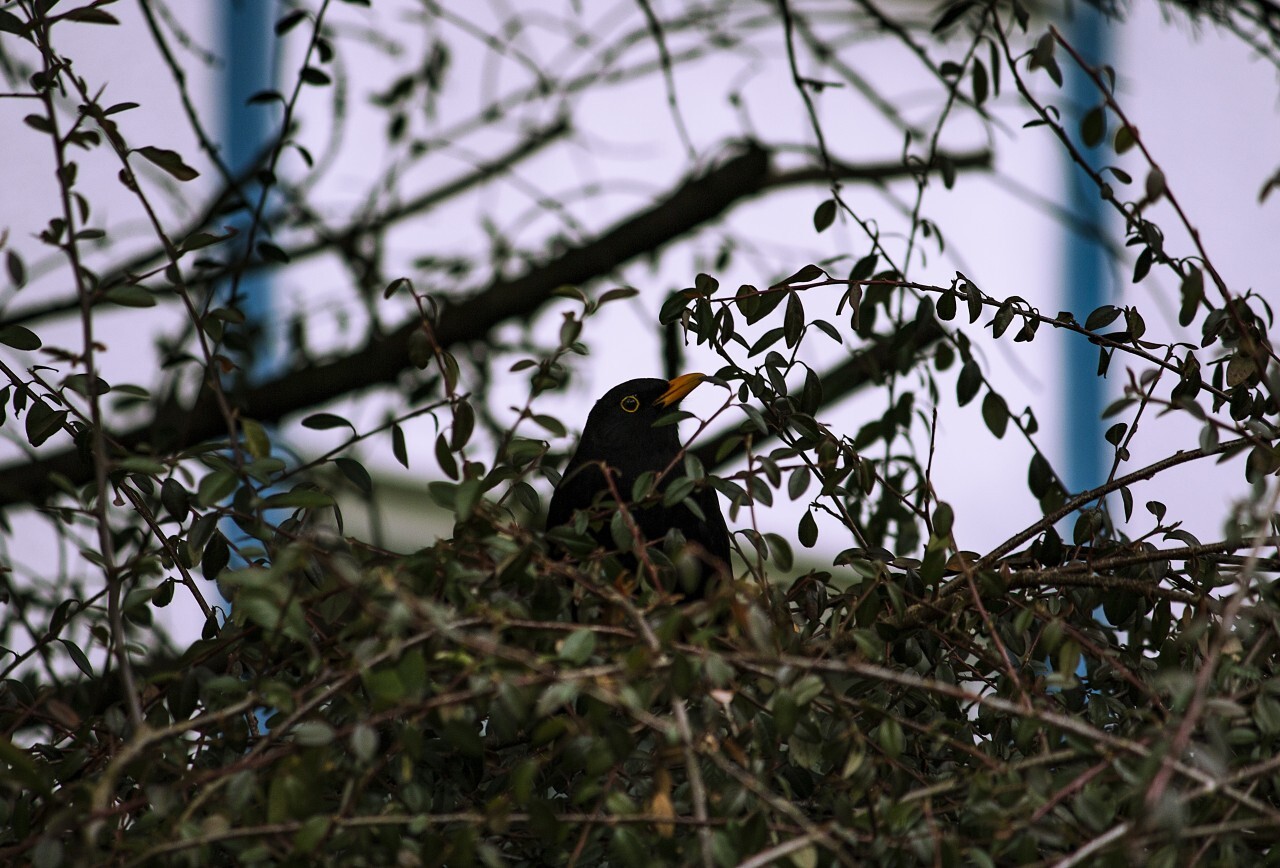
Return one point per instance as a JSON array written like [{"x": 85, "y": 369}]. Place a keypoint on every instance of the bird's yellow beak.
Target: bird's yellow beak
[{"x": 679, "y": 387}]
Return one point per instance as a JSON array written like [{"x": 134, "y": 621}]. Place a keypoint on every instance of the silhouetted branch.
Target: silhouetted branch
[{"x": 695, "y": 202}]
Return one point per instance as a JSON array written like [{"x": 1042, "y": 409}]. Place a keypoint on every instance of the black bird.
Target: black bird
[{"x": 620, "y": 432}]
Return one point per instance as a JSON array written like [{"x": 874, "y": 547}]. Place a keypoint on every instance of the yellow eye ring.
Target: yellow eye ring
[{"x": 630, "y": 403}]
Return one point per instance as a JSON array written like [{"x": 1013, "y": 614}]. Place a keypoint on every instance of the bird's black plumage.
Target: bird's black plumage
[{"x": 620, "y": 432}]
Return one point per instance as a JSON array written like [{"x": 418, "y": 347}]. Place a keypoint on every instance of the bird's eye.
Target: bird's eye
[{"x": 630, "y": 403}]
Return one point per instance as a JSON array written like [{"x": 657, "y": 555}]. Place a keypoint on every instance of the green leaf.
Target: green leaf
[
  {"x": 864, "y": 267},
  {"x": 1102, "y": 317},
  {"x": 464, "y": 422},
  {"x": 312, "y": 733},
  {"x": 677, "y": 490},
  {"x": 943, "y": 518},
  {"x": 824, "y": 215},
  {"x": 217, "y": 554},
  {"x": 805, "y": 275},
  {"x": 313, "y": 830},
  {"x": 19, "y": 337},
  {"x": 256, "y": 439},
  {"x": 798, "y": 482},
  {"x": 1039, "y": 476},
  {"x": 1155, "y": 185},
  {"x": 77, "y": 657},
  {"x": 201, "y": 532},
  {"x": 980, "y": 83},
  {"x": 364, "y": 742},
  {"x": 199, "y": 240},
  {"x": 398, "y": 447},
  {"x": 325, "y": 421},
  {"x": 1142, "y": 265},
  {"x": 1125, "y": 139},
  {"x": 216, "y": 487},
  {"x": 780, "y": 551},
  {"x": 1002, "y": 319},
  {"x": 444, "y": 457},
  {"x": 1093, "y": 128},
  {"x": 891, "y": 738},
  {"x": 807, "y": 532},
  {"x": 973, "y": 301},
  {"x": 272, "y": 252},
  {"x": 88, "y": 15},
  {"x": 170, "y": 161},
  {"x": 300, "y": 498},
  {"x": 765, "y": 304},
  {"x": 785, "y": 713},
  {"x": 951, "y": 14},
  {"x": 578, "y": 647},
  {"x": 356, "y": 473},
  {"x": 43, "y": 422},
  {"x": 756, "y": 418},
  {"x": 995, "y": 413},
  {"x": 39, "y": 123},
  {"x": 672, "y": 308},
  {"x": 318, "y": 77},
  {"x": 793, "y": 320},
  {"x": 290, "y": 21},
  {"x": 947, "y": 306},
  {"x": 17, "y": 270},
  {"x": 618, "y": 294},
  {"x": 80, "y": 384},
  {"x": 1192, "y": 296},
  {"x": 1087, "y": 526},
  {"x": 1240, "y": 369},
  {"x": 968, "y": 383},
  {"x": 174, "y": 498},
  {"x": 550, "y": 424},
  {"x": 265, "y": 96},
  {"x": 139, "y": 464},
  {"x": 10, "y": 23},
  {"x": 130, "y": 296},
  {"x": 396, "y": 285}
]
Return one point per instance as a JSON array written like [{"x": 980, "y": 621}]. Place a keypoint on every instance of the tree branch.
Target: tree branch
[{"x": 693, "y": 203}]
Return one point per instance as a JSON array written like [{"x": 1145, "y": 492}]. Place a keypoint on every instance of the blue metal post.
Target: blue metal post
[
  {"x": 1085, "y": 271},
  {"x": 248, "y": 44},
  {"x": 1085, "y": 268}
]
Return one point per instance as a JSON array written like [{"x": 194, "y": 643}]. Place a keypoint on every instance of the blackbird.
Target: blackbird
[{"x": 620, "y": 432}]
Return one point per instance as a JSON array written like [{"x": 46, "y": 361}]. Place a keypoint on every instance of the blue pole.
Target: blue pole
[
  {"x": 1084, "y": 273},
  {"x": 1085, "y": 268},
  {"x": 248, "y": 45}
]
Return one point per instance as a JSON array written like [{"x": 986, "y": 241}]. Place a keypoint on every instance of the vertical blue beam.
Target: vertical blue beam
[
  {"x": 247, "y": 36},
  {"x": 248, "y": 43},
  {"x": 1084, "y": 274},
  {"x": 1085, "y": 270}
]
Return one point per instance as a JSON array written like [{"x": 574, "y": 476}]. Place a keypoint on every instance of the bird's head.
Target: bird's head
[{"x": 627, "y": 414}]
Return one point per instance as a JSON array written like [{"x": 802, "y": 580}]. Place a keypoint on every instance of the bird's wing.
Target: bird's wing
[
  {"x": 713, "y": 533},
  {"x": 576, "y": 490}
]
